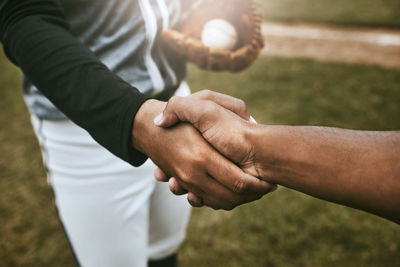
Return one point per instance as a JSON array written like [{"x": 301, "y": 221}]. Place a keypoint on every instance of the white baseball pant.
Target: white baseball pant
[{"x": 113, "y": 214}]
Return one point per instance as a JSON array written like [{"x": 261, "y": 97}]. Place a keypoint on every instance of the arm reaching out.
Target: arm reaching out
[{"x": 359, "y": 169}]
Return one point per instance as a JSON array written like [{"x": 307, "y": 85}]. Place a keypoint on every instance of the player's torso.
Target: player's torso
[
  {"x": 120, "y": 33},
  {"x": 124, "y": 35}
]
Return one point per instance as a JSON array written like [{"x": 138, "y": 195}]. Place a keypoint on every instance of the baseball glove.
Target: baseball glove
[{"x": 185, "y": 40}]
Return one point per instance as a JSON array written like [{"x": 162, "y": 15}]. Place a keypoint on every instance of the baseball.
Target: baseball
[{"x": 219, "y": 34}]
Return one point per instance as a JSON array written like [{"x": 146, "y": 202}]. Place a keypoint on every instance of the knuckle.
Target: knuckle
[
  {"x": 187, "y": 178},
  {"x": 205, "y": 94},
  {"x": 173, "y": 100},
  {"x": 200, "y": 156},
  {"x": 240, "y": 186},
  {"x": 210, "y": 107},
  {"x": 179, "y": 190},
  {"x": 174, "y": 187},
  {"x": 183, "y": 175},
  {"x": 241, "y": 105},
  {"x": 174, "y": 190},
  {"x": 192, "y": 202}
]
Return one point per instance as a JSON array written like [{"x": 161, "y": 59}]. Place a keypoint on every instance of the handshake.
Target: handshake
[
  {"x": 207, "y": 150},
  {"x": 223, "y": 121},
  {"x": 206, "y": 146}
]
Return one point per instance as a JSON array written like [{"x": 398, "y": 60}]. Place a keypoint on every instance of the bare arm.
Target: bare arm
[{"x": 360, "y": 169}]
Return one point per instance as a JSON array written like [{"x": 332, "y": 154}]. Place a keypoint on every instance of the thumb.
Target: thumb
[
  {"x": 166, "y": 119},
  {"x": 231, "y": 103},
  {"x": 178, "y": 109}
]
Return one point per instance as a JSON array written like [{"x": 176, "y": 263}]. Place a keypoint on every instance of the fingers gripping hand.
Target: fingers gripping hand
[
  {"x": 241, "y": 187},
  {"x": 179, "y": 108},
  {"x": 184, "y": 154},
  {"x": 194, "y": 200},
  {"x": 216, "y": 117},
  {"x": 223, "y": 121},
  {"x": 160, "y": 175}
]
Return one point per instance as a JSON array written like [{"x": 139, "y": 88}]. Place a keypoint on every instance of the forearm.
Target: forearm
[
  {"x": 36, "y": 37},
  {"x": 355, "y": 168}
]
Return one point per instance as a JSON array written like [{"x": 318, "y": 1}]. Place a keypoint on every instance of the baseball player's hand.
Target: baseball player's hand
[
  {"x": 215, "y": 116},
  {"x": 183, "y": 153}
]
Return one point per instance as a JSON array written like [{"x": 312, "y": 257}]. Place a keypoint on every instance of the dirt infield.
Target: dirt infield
[{"x": 332, "y": 43}]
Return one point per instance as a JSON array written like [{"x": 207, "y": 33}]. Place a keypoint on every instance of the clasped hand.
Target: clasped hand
[{"x": 224, "y": 123}]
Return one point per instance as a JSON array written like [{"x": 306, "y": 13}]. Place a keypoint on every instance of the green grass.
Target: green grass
[
  {"x": 30, "y": 232},
  {"x": 305, "y": 92},
  {"x": 381, "y": 13},
  {"x": 284, "y": 229},
  {"x": 289, "y": 228}
]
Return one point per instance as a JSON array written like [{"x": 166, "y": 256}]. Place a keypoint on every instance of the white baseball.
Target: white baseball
[{"x": 219, "y": 34}]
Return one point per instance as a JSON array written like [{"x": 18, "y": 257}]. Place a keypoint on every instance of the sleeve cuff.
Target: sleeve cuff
[{"x": 129, "y": 154}]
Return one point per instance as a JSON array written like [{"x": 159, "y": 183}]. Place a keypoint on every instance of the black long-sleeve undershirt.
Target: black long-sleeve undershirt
[{"x": 36, "y": 37}]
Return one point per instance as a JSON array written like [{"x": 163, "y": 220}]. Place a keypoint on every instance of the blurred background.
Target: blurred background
[{"x": 326, "y": 63}]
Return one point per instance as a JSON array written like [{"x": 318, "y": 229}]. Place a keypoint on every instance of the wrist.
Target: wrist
[
  {"x": 256, "y": 134},
  {"x": 273, "y": 151},
  {"x": 143, "y": 126}
]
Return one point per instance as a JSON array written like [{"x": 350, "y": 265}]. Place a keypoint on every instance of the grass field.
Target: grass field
[
  {"x": 379, "y": 13},
  {"x": 289, "y": 228},
  {"x": 284, "y": 229}
]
